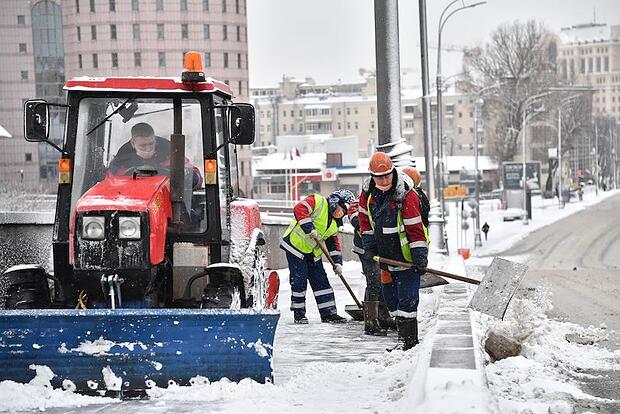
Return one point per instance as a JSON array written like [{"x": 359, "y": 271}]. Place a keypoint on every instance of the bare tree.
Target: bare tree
[{"x": 520, "y": 59}]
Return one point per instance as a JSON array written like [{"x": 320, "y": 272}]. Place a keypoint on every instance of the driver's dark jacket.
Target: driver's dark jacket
[{"x": 127, "y": 158}]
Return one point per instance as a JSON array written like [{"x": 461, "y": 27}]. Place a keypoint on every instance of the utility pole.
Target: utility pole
[
  {"x": 388, "y": 84},
  {"x": 477, "y": 238},
  {"x": 436, "y": 221}
]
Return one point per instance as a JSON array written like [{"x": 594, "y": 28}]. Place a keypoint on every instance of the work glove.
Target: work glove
[
  {"x": 420, "y": 258},
  {"x": 338, "y": 269},
  {"x": 316, "y": 235}
]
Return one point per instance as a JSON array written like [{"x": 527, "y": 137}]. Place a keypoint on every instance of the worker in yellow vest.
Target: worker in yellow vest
[{"x": 317, "y": 220}]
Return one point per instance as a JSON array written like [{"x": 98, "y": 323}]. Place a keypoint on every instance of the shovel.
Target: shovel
[
  {"x": 495, "y": 290},
  {"x": 331, "y": 261}
]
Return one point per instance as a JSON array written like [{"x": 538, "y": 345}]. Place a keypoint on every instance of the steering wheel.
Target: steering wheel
[{"x": 147, "y": 169}]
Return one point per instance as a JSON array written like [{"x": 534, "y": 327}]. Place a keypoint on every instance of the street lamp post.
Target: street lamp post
[
  {"x": 439, "y": 84},
  {"x": 477, "y": 107},
  {"x": 526, "y": 104}
]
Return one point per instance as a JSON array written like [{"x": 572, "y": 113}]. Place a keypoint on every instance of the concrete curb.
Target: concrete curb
[{"x": 454, "y": 380}]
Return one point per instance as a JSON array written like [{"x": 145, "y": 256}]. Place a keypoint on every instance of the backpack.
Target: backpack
[{"x": 425, "y": 205}]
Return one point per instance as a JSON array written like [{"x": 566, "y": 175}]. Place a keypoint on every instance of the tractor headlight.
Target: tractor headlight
[
  {"x": 129, "y": 228},
  {"x": 93, "y": 227}
]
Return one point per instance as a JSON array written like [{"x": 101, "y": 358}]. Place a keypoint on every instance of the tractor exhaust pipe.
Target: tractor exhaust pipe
[{"x": 177, "y": 164}]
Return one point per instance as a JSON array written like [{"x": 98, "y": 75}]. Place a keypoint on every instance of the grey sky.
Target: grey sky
[{"x": 331, "y": 39}]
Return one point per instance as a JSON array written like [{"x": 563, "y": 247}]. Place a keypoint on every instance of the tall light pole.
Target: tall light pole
[
  {"x": 440, "y": 165},
  {"x": 477, "y": 107},
  {"x": 526, "y": 104}
]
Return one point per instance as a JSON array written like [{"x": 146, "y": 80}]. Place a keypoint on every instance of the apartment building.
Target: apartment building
[
  {"x": 300, "y": 107},
  {"x": 589, "y": 54},
  {"x": 45, "y": 42}
]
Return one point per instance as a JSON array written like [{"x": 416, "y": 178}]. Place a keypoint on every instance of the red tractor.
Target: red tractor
[{"x": 156, "y": 257}]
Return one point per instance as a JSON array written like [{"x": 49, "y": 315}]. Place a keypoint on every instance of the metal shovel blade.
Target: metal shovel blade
[
  {"x": 428, "y": 280},
  {"x": 497, "y": 287},
  {"x": 355, "y": 312}
]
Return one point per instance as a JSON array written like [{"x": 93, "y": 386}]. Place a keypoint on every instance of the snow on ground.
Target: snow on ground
[
  {"x": 543, "y": 379},
  {"x": 336, "y": 368}
]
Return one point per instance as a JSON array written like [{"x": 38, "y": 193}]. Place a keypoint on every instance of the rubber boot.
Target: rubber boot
[
  {"x": 300, "y": 318},
  {"x": 385, "y": 320},
  {"x": 371, "y": 322},
  {"x": 408, "y": 329},
  {"x": 333, "y": 318}
]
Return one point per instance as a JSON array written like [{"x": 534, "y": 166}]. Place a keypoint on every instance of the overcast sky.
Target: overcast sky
[{"x": 330, "y": 40}]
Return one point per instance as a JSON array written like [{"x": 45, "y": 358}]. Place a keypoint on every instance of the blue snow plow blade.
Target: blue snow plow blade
[{"x": 134, "y": 349}]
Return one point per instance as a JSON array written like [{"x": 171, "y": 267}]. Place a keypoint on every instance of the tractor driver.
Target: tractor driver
[{"x": 144, "y": 148}]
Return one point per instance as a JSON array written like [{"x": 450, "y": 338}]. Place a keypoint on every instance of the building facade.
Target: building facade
[
  {"x": 45, "y": 42},
  {"x": 300, "y": 107},
  {"x": 589, "y": 55}
]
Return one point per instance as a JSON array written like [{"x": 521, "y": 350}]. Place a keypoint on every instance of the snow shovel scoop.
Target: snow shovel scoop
[
  {"x": 356, "y": 310},
  {"x": 495, "y": 290}
]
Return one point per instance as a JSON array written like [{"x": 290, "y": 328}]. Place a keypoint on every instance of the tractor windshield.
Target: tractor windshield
[{"x": 122, "y": 136}]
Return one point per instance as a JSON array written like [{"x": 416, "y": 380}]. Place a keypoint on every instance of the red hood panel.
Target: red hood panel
[{"x": 123, "y": 193}]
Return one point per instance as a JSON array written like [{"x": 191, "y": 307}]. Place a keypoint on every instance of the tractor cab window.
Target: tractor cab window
[
  {"x": 130, "y": 137},
  {"x": 227, "y": 167}
]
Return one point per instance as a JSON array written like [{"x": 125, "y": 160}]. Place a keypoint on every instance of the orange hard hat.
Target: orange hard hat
[
  {"x": 414, "y": 174},
  {"x": 380, "y": 164}
]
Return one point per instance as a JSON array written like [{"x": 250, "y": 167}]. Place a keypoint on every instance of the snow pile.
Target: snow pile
[
  {"x": 539, "y": 380},
  {"x": 373, "y": 385},
  {"x": 38, "y": 394}
]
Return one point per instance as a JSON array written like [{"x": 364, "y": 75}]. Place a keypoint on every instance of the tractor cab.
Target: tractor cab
[{"x": 148, "y": 187}]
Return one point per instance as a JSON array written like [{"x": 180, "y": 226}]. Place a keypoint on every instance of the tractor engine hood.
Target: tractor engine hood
[{"x": 150, "y": 195}]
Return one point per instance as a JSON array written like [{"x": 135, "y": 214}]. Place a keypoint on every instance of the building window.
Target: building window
[
  {"x": 161, "y": 58},
  {"x": 372, "y": 124},
  {"x": 240, "y": 88},
  {"x": 207, "y": 59},
  {"x": 80, "y": 61},
  {"x": 24, "y": 75},
  {"x": 92, "y": 6},
  {"x": 590, "y": 65},
  {"x": 95, "y": 60},
  {"x": 460, "y": 131},
  {"x": 460, "y": 114},
  {"x": 284, "y": 128},
  {"x": 160, "y": 31},
  {"x": 606, "y": 63},
  {"x": 137, "y": 59},
  {"x": 225, "y": 32},
  {"x": 112, "y": 5},
  {"x": 206, "y": 31},
  {"x": 357, "y": 126},
  {"x": 239, "y": 60},
  {"x": 159, "y": 5},
  {"x": 22, "y": 48},
  {"x": 238, "y": 33},
  {"x": 184, "y": 31},
  {"x": 114, "y": 59},
  {"x": 77, "y": 6},
  {"x": 339, "y": 125},
  {"x": 205, "y": 5},
  {"x": 28, "y": 157},
  {"x": 471, "y": 130},
  {"x": 237, "y": 6},
  {"x": 598, "y": 63},
  {"x": 136, "y": 31},
  {"x": 301, "y": 128},
  {"x": 21, "y": 19},
  {"x": 183, "y": 5},
  {"x": 93, "y": 32},
  {"x": 348, "y": 125},
  {"x": 225, "y": 59},
  {"x": 79, "y": 33},
  {"x": 113, "y": 31},
  {"x": 355, "y": 110},
  {"x": 582, "y": 65},
  {"x": 135, "y": 5},
  {"x": 223, "y": 6}
]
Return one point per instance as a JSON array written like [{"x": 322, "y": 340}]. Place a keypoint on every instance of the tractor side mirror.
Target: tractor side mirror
[
  {"x": 241, "y": 121},
  {"x": 36, "y": 120}
]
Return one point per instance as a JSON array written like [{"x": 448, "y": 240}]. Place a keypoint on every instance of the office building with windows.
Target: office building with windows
[{"x": 45, "y": 42}]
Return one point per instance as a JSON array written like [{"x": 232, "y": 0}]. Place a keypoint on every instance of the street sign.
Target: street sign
[
  {"x": 452, "y": 191},
  {"x": 513, "y": 175},
  {"x": 329, "y": 174}
]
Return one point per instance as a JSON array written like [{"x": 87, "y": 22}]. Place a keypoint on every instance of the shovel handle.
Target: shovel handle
[
  {"x": 426, "y": 269},
  {"x": 331, "y": 261}
]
